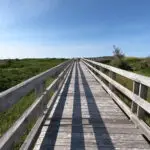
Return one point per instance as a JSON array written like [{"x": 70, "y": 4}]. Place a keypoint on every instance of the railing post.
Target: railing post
[
  {"x": 97, "y": 67},
  {"x": 39, "y": 89},
  {"x": 101, "y": 70},
  {"x": 92, "y": 66},
  {"x": 143, "y": 94},
  {"x": 136, "y": 87},
  {"x": 113, "y": 76}
]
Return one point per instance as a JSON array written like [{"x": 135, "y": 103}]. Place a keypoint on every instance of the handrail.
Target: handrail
[
  {"x": 13, "y": 95},
  {"x": 138, "y": 96},
  {"x": 130, "y": 75},
  {"x": 34, "y": 111},
  {"x": 139, "y": 101}
]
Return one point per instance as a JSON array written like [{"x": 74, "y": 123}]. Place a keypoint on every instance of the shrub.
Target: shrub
[
  {"x": 119, "y": 61},
  {"x": 118, "y": 53}
]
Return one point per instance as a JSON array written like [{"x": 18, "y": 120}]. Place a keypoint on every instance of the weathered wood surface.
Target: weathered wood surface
[
  {"x": 134, "y": 97},
  {"x": 138, "y": 96},
  {"x": 84, "y": 116},
  {"x": 13, "y": 134}
]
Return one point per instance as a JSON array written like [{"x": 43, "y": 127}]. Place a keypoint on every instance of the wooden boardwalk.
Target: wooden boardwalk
[{"x": 84, "y": 116}]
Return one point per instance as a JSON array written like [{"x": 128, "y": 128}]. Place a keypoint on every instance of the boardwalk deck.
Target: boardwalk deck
[{"x": 85, "y": 117}]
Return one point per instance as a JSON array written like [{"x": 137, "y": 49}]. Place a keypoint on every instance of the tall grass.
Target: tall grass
[
  {"x": 8, "y": 117},
  {"x": 15, "y": 71}
]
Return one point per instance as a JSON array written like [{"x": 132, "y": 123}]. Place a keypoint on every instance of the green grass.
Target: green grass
[
  {"x": 124, "y": 98},
  {"x": 145, "y": 72},
  {"x": 147, "y": 119},
  {"x": 8, "y": 117},
  {"x": 125, "y": 82},
  {"x": 49, "y": 81},
  {"x": 12, "y": 72},
  {"x": 11, "y": 115},
  {"x": 139, "y": 65},
  {"x": 17, "y": 145}
]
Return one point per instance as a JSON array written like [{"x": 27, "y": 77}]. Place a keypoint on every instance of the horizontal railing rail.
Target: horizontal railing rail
[
  {"x": 14, "y": 94},
  {"x": 133, "y": 76},
  {"x": 139, "y": 104},
  {"x": 36, "y": 110}
]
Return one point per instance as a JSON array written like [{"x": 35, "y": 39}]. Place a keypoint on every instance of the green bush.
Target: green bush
[{"x": 122, "y": 64}]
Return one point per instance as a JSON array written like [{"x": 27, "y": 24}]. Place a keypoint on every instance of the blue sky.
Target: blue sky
[{"x": 73, "y": 28}]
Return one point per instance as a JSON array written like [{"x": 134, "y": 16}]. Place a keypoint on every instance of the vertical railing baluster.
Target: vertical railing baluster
[
  {"x": 102, "y": 70},
  {"x": 96, "y": 67},
  {"x": 39, "y": 89},
  {"x": 136, "y": 87},
  {"x": 113, "y": 76},
  {"x": 143, "y": 92}
]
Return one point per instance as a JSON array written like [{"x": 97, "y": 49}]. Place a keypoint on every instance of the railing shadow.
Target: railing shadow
[
  {"x": 77, "y": 138},
  {"x": 53, "y": 128},
  {"x": 102, "y": 136}
]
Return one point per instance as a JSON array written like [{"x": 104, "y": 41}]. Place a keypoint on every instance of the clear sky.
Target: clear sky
[{"x": 73, "y": 28}]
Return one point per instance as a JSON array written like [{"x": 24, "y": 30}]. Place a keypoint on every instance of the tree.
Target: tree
[
  {"x": 119, "y": 60},
  {"x": 117, "y": 52}
]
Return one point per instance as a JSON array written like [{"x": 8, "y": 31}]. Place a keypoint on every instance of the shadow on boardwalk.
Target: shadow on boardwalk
[
  {"x": 102, "y": 137},
  {"x": 77, "y": 138},
  {"x": 53, "y": 128}
]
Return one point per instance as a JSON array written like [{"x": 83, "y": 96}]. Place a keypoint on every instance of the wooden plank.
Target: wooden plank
[
  {"x": 138, "y": 100},
  {"x": 81, "y": 120}
]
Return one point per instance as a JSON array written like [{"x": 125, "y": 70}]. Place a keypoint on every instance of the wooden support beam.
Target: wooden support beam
[
  {"x": 143, "y": 94},
  {"x": 39, "y": 89},
  {"x": 112, "y": 75},
  {"x": 136, "y": 87}
]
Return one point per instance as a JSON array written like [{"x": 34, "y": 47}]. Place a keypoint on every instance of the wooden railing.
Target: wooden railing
[
  {"x": 39, "y": 107},
  {"x": 13, "y": 95},
  {"x": 138, "y": 96}
]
